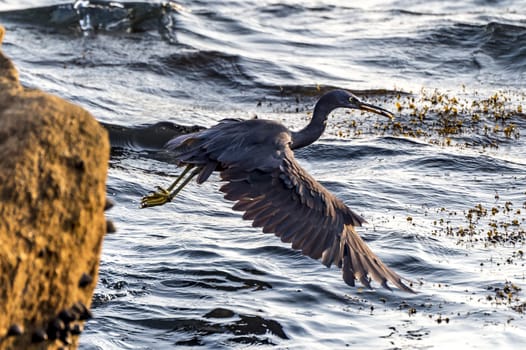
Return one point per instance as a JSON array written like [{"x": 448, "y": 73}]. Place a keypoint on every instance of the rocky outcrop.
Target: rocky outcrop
[{"x": 53, "y": 166}]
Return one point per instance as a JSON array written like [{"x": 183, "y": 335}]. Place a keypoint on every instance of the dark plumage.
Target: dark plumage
[{"x": 255, "y": 159}]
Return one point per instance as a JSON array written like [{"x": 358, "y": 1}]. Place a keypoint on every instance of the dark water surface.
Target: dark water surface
[{"x": 443, "y": 187}]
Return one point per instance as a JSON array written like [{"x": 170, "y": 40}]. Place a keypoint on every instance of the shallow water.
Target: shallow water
[{"x": 443, "y": 187}]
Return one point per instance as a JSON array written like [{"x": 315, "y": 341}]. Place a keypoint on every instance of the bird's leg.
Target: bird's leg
[
  {"x": 179, "y": 178},
  {"x": 187, "y": 180},
  {"x": 162, "y": 196}
]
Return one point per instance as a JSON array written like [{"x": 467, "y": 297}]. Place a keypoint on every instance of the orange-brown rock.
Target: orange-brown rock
[{"x": 53, "y": 166}]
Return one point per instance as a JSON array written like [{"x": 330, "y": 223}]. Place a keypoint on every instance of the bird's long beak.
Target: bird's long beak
[{"x": 374, "y": 109}]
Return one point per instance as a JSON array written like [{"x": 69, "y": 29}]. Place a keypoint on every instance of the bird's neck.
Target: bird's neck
[{"x": 314, "y": 129}]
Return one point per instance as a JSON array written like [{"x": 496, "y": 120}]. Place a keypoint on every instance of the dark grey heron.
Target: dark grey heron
[{"x": 255, "y": 158}]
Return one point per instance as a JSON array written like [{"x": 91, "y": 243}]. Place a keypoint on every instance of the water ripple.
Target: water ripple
[{"x": 193, "y": 273}]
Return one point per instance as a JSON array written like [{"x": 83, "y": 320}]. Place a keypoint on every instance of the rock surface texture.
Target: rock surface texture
[{"x": 53, "y": 166}]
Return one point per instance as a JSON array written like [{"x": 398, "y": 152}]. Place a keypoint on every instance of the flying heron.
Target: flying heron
[{"x": 256, "y": 160}]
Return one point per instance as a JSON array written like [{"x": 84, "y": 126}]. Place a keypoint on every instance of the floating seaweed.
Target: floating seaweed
[{"x": 464, "y": 119}]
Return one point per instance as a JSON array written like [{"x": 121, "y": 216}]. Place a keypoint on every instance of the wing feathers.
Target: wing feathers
[
  {"x": 285, "y": 230},
  {"x": 275, "y": 193},
  {"x": 314, "y": 243},
  {"x": 301, "y": 212},
  {"x": 264, "y": 216},
  {"x": 245, "y": 204},
  {"x": 330, "y": 255},
  {"x": 347, "y": 273},
  {"x": 206, "y": 172},
  {"x": 255, "y": 210},
  {"x": 364, "y": 261},
  {"x": 270, "y": 226}
]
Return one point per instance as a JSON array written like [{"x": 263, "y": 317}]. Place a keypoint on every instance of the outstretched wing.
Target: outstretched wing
[
  {"x": 255, "y": 158},
  {"x": 289, "y": 202}
]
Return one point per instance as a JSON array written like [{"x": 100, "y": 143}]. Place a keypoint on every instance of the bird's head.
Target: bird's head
[
  {"x": 325, "y": 105},
  {"x": 344, "y": 99}
]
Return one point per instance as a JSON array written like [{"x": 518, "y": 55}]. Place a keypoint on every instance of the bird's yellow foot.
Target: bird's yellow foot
[{"x": 160, "y": 197}]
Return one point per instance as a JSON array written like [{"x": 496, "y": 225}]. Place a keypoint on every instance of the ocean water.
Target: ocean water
[{"x": 443, "y": 186}]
